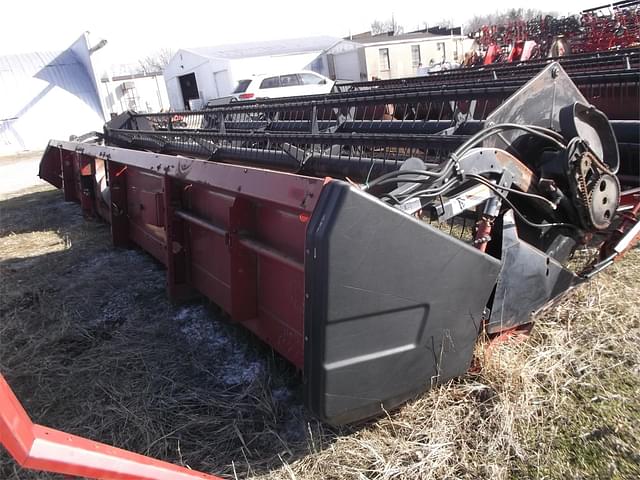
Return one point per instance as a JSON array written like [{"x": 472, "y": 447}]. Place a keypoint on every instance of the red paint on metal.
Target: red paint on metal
[
  {"x": 176, "y": 245},
  {"x": 516, "y": 334},
  {"x": 85, "y": 174},
  {"x": 41, "y": 448},
  {"x": 243, "y": 262},
  {"x": 492, "y": 54},
  {"x": 630, "y": 198},
  {"x": 70, "y": 184},
  {"x": 118, "y": 206},
  {"x": 629, "y": 220},
  {"x": 630, "y": 204},
  {"x": 51, "y": 167},
  {"x": 483, "y": 233},
  {"x": 235, "y": 234},
  {"x": 143, "y": 188}
]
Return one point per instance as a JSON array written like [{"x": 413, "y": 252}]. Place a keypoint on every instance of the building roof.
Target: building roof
[
  {"x": 47, "y": 95},
  {"x": 21, "y": 73},
  {"x": 127, "y": 71},
  {"x": 268, "y": 48},
  {"x": 368, "y": 38}
]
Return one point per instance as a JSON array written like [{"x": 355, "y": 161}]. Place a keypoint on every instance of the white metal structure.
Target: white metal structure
[
  {"x": 47, "y": 95},
  {"x": 141, "y": 92}
]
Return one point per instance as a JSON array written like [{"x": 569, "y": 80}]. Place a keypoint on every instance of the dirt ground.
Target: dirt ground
[
  {"x": 19, "y": 172},
  {"x": 91, "y": 345}
]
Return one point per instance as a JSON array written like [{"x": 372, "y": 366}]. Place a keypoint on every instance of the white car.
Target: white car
[
  {"x": 438, "y": 67},
  {"x": 277, "y": 86}
]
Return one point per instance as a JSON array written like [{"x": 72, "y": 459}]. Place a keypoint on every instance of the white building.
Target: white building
[
  {"x": 47, "y": 95},
  {"x": 196, "y": 75},
  {"x": 396, "y": 56}
]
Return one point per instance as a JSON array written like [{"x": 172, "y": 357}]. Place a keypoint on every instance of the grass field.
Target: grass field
[{"x": 92, "y": 346}]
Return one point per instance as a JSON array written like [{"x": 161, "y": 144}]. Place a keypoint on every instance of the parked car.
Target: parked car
[
  {"x": 286, "y": 85},
  {"x": 436, "y": 67}
]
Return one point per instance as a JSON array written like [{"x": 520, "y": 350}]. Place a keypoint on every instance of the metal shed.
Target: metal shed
[
  {"x": 47, "y": 93},
  {"x": 195, "y": 75}
]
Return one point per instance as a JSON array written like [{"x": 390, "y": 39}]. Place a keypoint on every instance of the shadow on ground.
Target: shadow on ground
[{"x": 92, "y": 346}]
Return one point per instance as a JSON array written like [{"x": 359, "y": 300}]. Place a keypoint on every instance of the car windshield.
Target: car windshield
[
  {"x": 311, "y": 79},
  {"x": 242, "y": 86}
]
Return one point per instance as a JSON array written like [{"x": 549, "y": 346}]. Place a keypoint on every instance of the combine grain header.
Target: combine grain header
[{"x": 370, "y": 236}]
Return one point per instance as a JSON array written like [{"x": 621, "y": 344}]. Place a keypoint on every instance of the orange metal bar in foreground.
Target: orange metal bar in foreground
[{"x": 41, "y": 448}]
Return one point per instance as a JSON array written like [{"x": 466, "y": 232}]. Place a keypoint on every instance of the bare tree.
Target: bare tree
[
  {"x": 156, "y": 62},
  {"x": 387, "y": 26},
  {"x": 444, "y": 23},
  {"x": 503, "y": 16}
]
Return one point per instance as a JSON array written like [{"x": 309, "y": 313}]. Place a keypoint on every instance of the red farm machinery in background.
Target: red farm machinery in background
[
  {"x": 608, "y": 27},
  {"x": 370, "y": 235}
]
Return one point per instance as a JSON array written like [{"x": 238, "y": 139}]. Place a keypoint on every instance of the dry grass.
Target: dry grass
[{"x": 125, "y": 366}]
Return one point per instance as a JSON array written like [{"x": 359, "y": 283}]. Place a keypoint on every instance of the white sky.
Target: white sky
[{"x": 134, "y": 28}]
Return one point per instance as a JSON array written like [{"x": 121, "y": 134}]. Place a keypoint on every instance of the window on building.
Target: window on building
[
  {"x": 442, "y": 49},
  {"x": 384, "y": 59},
  {"x": 458, "y": 46},
  {"x": 415, "y": 56},
  {"x": 270, "y": 82}
]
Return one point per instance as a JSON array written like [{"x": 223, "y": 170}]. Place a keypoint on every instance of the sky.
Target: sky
[{"x": 135, "y": 28}]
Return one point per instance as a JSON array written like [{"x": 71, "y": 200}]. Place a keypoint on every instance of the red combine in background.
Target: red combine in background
[{"x": 613, "y": 26}]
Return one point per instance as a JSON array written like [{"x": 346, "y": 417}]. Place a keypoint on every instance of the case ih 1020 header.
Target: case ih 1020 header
[{"x": 368, "y": 236}]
